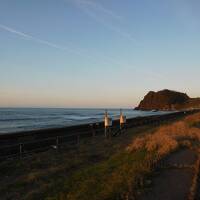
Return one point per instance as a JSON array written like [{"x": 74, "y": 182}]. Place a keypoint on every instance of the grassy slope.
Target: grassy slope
[
  {"x": 98, "y": 169},
  {"x": 46, "y": 175}
]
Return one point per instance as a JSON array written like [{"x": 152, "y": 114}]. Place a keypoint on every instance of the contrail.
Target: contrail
[
  {"x": 79, "y": 52},
  {"x": 109, "y": 26},
  {"x": 106, "y": 60},
  {"x": 30, "y": 37},
  {"x": 45, "y": 42},
  {"x": 100, "y": 7},
  {"x": 6, "y": 28},
  {"x": 88, "y": 8}
]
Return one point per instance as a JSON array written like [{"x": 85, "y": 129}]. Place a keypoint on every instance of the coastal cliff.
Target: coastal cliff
[{"x": 168, "y": 100}]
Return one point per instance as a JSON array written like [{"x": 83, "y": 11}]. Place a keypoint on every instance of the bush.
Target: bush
[{"x": 169, "y": 137}]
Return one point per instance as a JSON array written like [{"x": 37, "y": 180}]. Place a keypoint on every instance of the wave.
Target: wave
[
  {"x": 12, "y": 120},
  {"x": 27, "y": 119}
]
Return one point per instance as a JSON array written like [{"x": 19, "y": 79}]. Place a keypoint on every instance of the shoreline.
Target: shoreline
[
  {"x": 75, "y": 126},
  {"x": 14, "y": 137},
  {"x": 31, "y": 120},
  {"x": 25, "y": 143}
]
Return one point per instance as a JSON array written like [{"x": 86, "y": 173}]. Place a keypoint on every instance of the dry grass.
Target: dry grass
[{"x": 169, "y": 137}]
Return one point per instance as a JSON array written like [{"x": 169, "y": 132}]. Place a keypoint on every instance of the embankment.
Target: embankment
[{"x": 19, "y": 144}]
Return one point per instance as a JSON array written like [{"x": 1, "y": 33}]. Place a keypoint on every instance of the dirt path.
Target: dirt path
[{"x": 173, "y": 183}]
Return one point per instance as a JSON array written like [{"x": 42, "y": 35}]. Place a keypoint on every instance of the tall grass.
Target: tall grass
[{"x": 169, "y": 137}]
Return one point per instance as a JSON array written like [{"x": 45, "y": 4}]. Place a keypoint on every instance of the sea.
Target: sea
[{"x": 25, "y": 119}]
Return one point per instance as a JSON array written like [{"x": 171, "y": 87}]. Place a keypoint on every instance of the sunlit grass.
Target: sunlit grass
[{"x": 169, "y": 137}]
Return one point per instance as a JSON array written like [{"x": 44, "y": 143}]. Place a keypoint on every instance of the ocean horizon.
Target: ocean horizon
[{"x": 27, "y": 119}]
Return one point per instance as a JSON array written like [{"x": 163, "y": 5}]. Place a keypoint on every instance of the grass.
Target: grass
[
  {"x": 115, "y": 178},
  {"x": 168, "y": 138},
  {"x": 99, "y": 169},
  {"x": 49, "y": 175}
]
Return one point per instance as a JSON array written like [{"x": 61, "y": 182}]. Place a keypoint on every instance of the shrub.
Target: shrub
[{"x": 168, "y": 137}]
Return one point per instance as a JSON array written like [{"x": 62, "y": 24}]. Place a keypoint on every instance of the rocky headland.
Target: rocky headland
[{"x": 168, "y": 100}]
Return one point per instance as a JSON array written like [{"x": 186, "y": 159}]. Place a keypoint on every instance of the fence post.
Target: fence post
[
  {"x": 20, "y": 150},
  {"x": 122, "y": 121},
  {"x": 78, "y": 139},
  {"x": 57, "y": 142},
  {"x": 93, "y": 131},
  {"x": 107, "y": 125}
]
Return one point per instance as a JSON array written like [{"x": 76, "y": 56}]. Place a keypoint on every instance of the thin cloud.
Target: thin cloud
[
  {"x": 89, "y": 8},
  {"x": 23, "y": 35},
  {"x": 106, "y": 60},
  {"x": 80, "y": 52},
  {"x": 11, "y": 30},
  {"x": 109, "y": 25},
  {"x": 101, "y": 8},
  {"x": 32, "y": 38}
]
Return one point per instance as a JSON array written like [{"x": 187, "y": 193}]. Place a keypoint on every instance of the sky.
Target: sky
[{"x": 96, "y": 53}]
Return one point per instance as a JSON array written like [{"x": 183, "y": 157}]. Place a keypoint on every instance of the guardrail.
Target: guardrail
[{"x": 23, "y": 149}]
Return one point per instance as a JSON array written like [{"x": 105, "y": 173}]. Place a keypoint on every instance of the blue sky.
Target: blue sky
[{"x": 96, "y": 53}]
